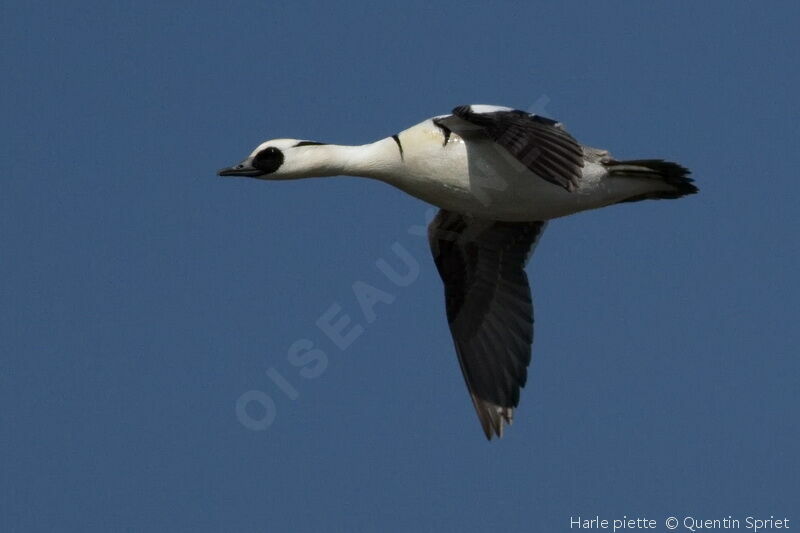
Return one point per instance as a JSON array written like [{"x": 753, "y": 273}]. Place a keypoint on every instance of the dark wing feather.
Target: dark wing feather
[
  {"x": 489, "y": 308},
  {"x": 537, "y": 142}
]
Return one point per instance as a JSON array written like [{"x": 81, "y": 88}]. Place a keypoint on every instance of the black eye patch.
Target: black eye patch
[{"x": 268, "y": 160}]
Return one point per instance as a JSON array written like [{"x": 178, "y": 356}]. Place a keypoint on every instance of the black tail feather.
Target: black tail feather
[{"x": 672, "y": 173}]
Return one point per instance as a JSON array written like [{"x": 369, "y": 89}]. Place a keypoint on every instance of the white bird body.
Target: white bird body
[
  {"x": 497, "y": 175},
  {"x": 478, "y": 178},
  {"x": 485, "y": 181}
]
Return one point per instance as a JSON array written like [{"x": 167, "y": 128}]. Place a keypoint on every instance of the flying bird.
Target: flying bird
[{"x": 497, "y": 175}]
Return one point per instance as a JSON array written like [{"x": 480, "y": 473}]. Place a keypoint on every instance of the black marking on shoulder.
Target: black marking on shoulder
[
  {"x": 445, "y": 131},
  {"x": 399, "y": 145},
  {"x": 308, "y": 143}
]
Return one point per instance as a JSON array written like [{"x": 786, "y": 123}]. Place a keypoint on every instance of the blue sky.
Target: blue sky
[{"x": 142, "y": 295}]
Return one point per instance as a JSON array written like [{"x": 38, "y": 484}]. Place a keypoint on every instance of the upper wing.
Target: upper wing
[
  {"x": 537, "y": 142},
  {"x": 489, "y": 308}
]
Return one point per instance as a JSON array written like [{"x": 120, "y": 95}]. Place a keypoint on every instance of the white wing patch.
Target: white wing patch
[{"x": 484, "y": 108}]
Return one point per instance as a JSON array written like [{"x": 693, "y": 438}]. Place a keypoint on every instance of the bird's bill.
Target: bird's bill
[{"x": 242, "y": 169}]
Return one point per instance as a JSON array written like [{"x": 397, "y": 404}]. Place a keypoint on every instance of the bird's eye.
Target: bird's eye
[{"x": 268, "y": 160}]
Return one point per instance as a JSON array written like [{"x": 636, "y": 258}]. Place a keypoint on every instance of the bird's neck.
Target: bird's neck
[{"x": 375, "y": 160}]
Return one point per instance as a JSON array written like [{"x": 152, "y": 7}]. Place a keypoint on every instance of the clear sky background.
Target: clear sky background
[{"x": 142, "y": 295}]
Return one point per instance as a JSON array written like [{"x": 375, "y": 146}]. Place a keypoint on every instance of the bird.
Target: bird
[{"x": 497, "y": 175}]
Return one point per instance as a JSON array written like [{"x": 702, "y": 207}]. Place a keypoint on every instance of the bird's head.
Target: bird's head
[{"x": 278, "y": 159}]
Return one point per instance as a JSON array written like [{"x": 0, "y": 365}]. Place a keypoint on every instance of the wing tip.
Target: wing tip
[{"x": 493, "y": 418}]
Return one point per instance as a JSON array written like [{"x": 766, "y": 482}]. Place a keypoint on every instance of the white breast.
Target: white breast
[{"x": 474, "y": 176}]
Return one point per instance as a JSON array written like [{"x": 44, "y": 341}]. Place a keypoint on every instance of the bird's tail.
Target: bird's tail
[{"x": 670, "y": 173}]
